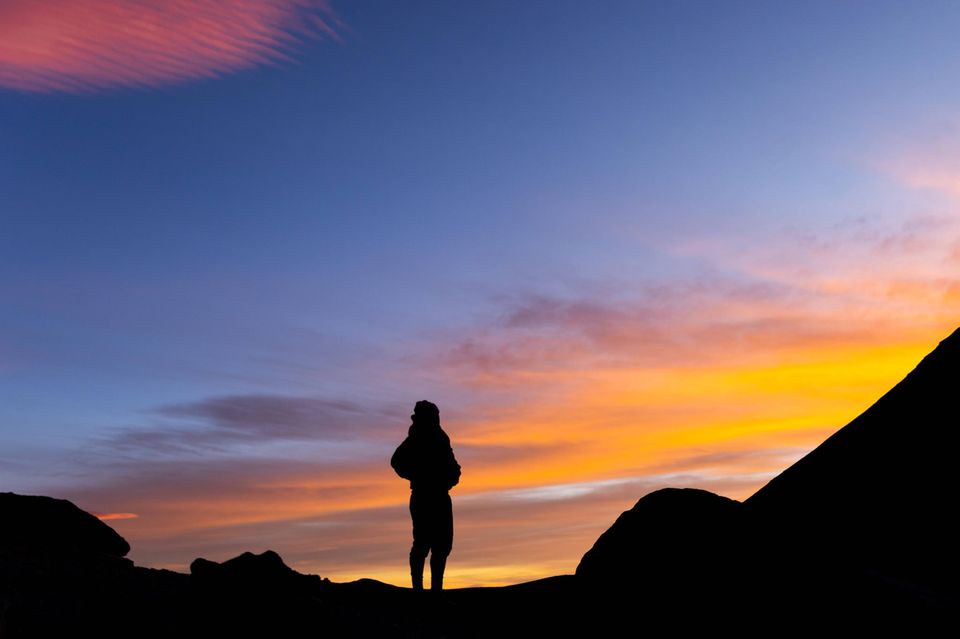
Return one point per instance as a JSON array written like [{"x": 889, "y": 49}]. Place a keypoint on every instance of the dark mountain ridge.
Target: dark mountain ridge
[{"x": 882, "y": 490}]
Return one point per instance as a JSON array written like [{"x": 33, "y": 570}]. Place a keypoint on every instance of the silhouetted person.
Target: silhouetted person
[{"x": 426, "y": 458}]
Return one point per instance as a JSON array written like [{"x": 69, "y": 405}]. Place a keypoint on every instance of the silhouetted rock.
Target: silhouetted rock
[
  {"x": 251, "y": 593},
  {"x": 676, "y": 547},
  {"x": 44, "y": 525},
  {"x": 62, "y": 572},
  {"x": 671, "y": 534},
  {"x": 265, "y": 574},
  {"x": 881, "y": 492}
]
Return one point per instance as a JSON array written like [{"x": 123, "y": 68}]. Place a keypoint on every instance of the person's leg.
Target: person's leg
[
  {"x": 438, "y": 561},
  {"x": 418, "y": 557},
  {"x": 421, "y": 545},
  {"x": 442, "y": 540}
]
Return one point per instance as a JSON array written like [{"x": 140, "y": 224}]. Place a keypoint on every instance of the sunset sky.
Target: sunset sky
[{"x": 622, "y": 245}]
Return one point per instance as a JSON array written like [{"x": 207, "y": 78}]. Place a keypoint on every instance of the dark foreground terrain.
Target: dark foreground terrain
[{"x": 861, "y": 535}]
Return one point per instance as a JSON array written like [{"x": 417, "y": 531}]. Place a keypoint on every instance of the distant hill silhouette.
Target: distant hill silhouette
[{"x": 858, "y": 535}]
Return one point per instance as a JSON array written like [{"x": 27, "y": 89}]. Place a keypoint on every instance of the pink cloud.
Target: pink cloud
[{"x": 83, "y": 45}]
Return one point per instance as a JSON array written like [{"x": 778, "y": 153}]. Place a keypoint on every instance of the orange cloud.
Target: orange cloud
[
  {"x": 83, "y": 45},
  {"x": 113, "y": 516}
]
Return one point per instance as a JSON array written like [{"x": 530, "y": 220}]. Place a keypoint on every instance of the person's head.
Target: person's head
[{"x": 426, "y": 413}]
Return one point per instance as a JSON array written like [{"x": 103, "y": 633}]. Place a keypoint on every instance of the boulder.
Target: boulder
[
  {"x": 34, "y": 524},
  {"x": 264, "y": 575},
  {"x": 670, "y": 536}
]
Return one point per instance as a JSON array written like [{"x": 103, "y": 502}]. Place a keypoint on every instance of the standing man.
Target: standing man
[{"x": 426, "y": 458}]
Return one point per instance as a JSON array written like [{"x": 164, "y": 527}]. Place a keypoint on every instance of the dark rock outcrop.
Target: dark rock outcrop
[
  {"x": 880, "y": 492},
  {"x": 34, "y": 524},
  {"x": 63, "y": 571},
  {"x": 677, "y": 547},
  {"x": 671, "y": 536},
  {"x": 254, "y": 594},
  {"x": 252, "y": 576}
]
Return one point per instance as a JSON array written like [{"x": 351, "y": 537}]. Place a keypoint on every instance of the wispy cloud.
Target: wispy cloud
[
  {"x": 220, "y": 423},
  {"x": 83, "y": 45},
  {"x": 692, "y": 323},
  {"x": 114, "y": 516}
]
